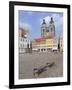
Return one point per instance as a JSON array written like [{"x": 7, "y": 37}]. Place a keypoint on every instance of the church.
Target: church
[
  {"x": 47, "y": 40},
  {"x": 48, "y": 29}
]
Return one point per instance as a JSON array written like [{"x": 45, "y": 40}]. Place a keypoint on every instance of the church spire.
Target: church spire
[
  {"x": 44, "y": 21},
  {"x": 43, "y": 28},
  {"x": 51, "y": 20}
]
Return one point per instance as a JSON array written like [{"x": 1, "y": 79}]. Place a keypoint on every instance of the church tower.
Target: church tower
[
  {"x": 43, "y": 28},
  {"x": 51, "y": 28}
]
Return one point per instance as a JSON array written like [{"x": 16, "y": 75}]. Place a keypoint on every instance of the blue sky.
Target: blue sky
[{"x": 32, "y": 21}]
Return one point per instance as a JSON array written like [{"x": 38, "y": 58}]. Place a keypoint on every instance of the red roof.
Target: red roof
[
  {"x": 42, "y": 38},
  {"x": 23, "y": 31}
]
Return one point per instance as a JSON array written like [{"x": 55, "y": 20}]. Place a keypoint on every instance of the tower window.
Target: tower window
[
  {"x": 51, "y": 29},
  {"x": 43, "y": 32}
]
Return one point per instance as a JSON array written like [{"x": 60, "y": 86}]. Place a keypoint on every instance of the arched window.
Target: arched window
[{"x": 51, "y": 29}]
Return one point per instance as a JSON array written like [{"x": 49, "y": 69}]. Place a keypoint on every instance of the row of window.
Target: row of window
[
  {"x": 21, "y": 49},
  {"x": 24, "y": 40},
  {"x": 23, "y": 46},
  {"x": 44, "y": 49}
]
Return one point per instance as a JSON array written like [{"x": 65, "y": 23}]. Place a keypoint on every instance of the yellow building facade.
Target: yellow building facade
[
  {"x": 52, "y": 43},
  {"x": 49, "y": 43}
]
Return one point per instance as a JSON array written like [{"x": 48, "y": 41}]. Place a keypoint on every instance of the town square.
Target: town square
[
  {"x": 28, "y": 62},
  {"x": 41, "y": 53}
]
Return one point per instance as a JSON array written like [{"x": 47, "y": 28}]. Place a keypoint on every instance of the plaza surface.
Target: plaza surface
[{"x": 29, "y": 61}]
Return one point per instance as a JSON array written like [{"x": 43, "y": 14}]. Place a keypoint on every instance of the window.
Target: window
[
  {"x": 51, "y": 29},
  {"x": 41, "y": 49},
  {"x": 26, "y": 40},
  {"x": 43, "y": 30},
  {"x": 44, "y": 49},
  {"x": 21, "y": 39}
]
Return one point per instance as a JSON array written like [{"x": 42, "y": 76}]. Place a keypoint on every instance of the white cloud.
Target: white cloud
[
  {"x": 58, "y": 23},
  {"x": 25, "y": 25},
  {"x": 56, "y": 17},
  {"x": 47, "y": 19}
]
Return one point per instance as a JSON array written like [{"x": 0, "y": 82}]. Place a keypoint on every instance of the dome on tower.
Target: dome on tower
[{"x": 44, "y": 21}]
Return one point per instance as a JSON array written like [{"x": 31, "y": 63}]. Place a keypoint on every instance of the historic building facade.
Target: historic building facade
[
  {"x": 61, "y": 42},
  {"x": 47, "y": 41},
  {"x": 44, "y": 44},
  {"x": 25, "y": 44},
  {"x": 38, "y": 44}
]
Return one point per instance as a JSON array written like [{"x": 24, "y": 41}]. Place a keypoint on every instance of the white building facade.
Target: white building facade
[{"x": 24, "y": 42}]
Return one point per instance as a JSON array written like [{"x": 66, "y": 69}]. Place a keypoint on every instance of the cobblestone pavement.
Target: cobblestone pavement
[{"x": 27, "y": 62}]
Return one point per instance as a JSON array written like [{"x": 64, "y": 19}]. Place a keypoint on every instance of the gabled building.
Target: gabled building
[
  {"x": 38, "y": 44},
  {"x": 25, "y": 44},
  {"x": 43, "y": 44}
]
